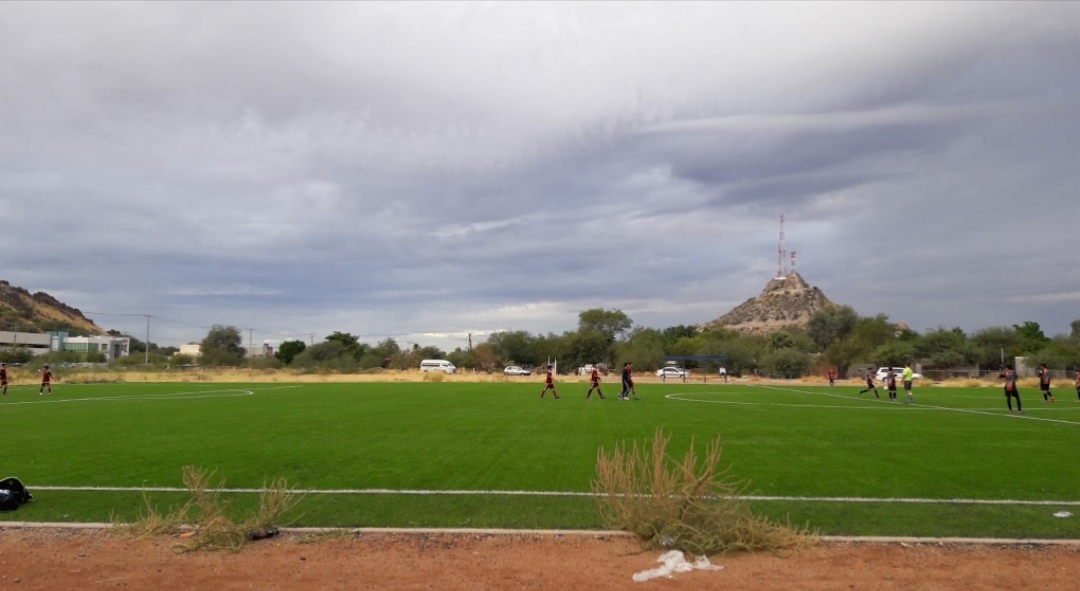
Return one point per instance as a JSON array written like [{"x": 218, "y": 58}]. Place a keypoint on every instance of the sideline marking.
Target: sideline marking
[
  {"x": 931, "y": 406},
  {"x": 574, "y": 532},
  {"x": 188, "y": 395},
  {"x": 677, "y": 395},
  {"x": 542, "y": 493}
]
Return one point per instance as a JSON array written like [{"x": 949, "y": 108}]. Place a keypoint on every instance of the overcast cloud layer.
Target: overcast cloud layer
[{"x": 423, "y": 170}]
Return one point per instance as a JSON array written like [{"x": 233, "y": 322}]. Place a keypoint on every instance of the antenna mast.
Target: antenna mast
[
  {"x": 780, "y": 252},
  {"x": 793, "y": 262}
]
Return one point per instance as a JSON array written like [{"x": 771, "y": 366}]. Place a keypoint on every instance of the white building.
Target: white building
[
  {"x": 112, "y": 347},
  {"x": 37, "y": 342},
  {"x": 192, "y": 349}
]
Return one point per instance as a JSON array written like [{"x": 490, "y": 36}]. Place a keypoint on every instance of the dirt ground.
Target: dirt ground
[{"x": 91, "y": 560}]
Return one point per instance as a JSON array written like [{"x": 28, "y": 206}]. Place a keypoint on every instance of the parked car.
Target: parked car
[
  {"x": 514, "y": 370},
  {"x": 883, "y": 373},
  {"x": 672, "y": 372}
]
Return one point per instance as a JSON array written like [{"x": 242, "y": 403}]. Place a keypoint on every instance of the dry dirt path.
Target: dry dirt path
[{"x": 92, "y": 560}]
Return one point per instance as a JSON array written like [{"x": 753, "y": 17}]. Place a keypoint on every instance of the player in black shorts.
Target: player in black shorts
[
  {"x": 1044, "y": 383},
  {"x": 890, "y": 383},
  {"x": 1011, "y": 390},
  {"x": 870, "y": 384},
  {"x": 1078, "y": 385},
  {"x": 3, "y": 377}
]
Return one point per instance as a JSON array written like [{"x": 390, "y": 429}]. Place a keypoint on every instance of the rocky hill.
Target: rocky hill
[
  {"x": 787, "y": 301},
  {"x": 40, "y": 312}
]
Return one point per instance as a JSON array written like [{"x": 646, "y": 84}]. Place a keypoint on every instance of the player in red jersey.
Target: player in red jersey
[
  {"x": 46, "y": 380},
  {"x": 1044, "y": 383},
  {"x": 3, "y": 378},
  {"x": 549, "y": 384},
  {"x": 832, "y": 377},
  {"x": 595, "y": 379},
  {"x": 1078, "y": 385}
]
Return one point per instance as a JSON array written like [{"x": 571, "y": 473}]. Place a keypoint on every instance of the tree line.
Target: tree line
[{"x": 836, "y": 337}]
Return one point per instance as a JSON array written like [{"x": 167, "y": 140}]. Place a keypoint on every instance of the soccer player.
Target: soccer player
[
  {"x": 870, "y": 384},
  {"x": 723, "y": 373},
  {"x": 3, "y": 378},
  {"x": 909, "y": 376},
  {"x": 890, "y": 384},
  {"x": 627, "y": 381},
  {"x": 1078, "y": 385},
  {"x": 832, "y": 376},
  {"x": 595, "y": 379},
  {"x": 549, "y": 384},
  {"x": 1044, "y": 383},
  {"x": 46, "y": 381},
  {"x": 1010, "y": 389}
]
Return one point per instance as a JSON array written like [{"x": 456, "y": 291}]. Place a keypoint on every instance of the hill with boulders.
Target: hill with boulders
[
  {"x": 40, "y": 312},
  {"x": 785, "y": 302}
]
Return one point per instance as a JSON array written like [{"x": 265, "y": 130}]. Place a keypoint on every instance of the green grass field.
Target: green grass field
[{"x": 795, "y": 441}]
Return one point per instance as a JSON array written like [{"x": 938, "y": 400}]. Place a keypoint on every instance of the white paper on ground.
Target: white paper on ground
[
  {"x": 1062, "y": 514},
  {"x": 674, "y": 562}
]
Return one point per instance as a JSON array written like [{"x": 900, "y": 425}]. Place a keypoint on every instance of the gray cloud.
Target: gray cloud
[{"x": 394, "y": 169}]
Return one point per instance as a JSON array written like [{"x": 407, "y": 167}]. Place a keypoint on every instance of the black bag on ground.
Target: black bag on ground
[{"x": 13, "y": 494}]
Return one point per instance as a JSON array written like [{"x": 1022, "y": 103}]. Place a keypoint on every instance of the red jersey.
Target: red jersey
[
  {"x": 595, "y": 376},
  {"x": 46, "y": 377},
  {"x": 549, "y": 380},
  {"x": 3, "y": 374}
]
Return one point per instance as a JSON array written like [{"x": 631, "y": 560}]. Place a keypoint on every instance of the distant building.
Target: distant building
[
  {"x": 112, "y": 347},
  {"x": 37, "y": 342},
  {"x": 192, "y": 349},
  {"x": 266, "y": 350}
]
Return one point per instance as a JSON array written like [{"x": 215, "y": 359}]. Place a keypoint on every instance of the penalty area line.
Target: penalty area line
[{"x": 541, "y": 493}]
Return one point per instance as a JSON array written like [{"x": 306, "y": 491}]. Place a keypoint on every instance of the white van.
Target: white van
[{"x": 437, "y": 365}]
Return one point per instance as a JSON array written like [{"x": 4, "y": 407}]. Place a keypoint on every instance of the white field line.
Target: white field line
[
  {"x": 229, "y": 393},
  {"x": 572, "y": 532},
  {"x": 678, "y": 396},
  {"x": 930, "y": 406},
  {"x": 187, "y": 395},
  {"x": 543, "y": 493}
]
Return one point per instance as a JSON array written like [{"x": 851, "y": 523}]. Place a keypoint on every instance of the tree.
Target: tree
[
  {"x": 894, "y": 354},
  {"x": 785, "y": 363},
  {"x": 996, "y": 342},
  {"x": 330, "y": 354},
  {"x": 1075, "y": 325},
  {"x": 222, "y": 346},
  {"x": 644, "y": 347},
  {"x": 16, "y": 355},
  {"x": 289, "y": 350},
  {"x": 182, "y": 359},
  {"x": 674, "y": 333},
  {"x": 610, "y": 323},
  {"x": 1031, "y": 337},
  {"x": 516, "y": 346},
  {"x": 831, "y": 324}
]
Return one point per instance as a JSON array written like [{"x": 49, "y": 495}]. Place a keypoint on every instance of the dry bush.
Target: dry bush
[
  {"x": 434, "y": 376},
  {"x": 696, "y": 508},
  {"x": 205, "y": 513}
]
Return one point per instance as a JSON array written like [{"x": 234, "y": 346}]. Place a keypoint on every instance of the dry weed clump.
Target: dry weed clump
[
  {"x": 434, "y": 376},
  {"x": 204, "y": 513},
  {"x": 689, "y": 505}
]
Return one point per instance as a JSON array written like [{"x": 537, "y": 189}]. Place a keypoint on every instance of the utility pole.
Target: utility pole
[
  {"x": 146, "y": 360},
  {"x": 251, "y": 345}
]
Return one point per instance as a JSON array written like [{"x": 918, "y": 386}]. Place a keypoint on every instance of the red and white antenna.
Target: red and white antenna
[
  {"x": 780, "y": 252},
  {"x": 793, "y": 262}
]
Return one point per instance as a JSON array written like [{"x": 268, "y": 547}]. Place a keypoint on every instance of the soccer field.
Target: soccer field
[{"x": 495, "y": 455}]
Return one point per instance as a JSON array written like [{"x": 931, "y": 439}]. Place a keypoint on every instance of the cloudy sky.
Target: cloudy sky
[{"x": 423, "y": 170}]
